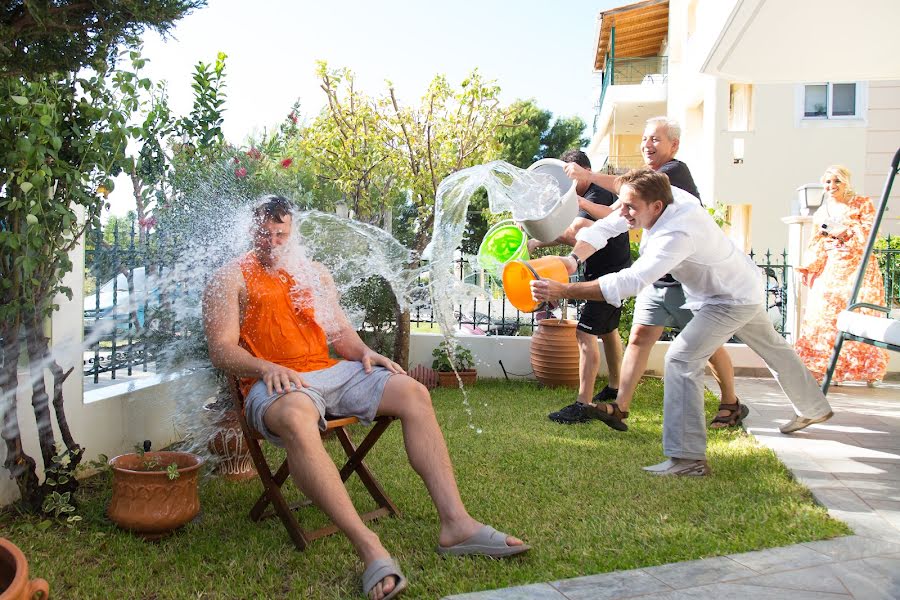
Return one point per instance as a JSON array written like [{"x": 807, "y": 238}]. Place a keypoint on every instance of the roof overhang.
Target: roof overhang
[
  {"x": 640, "y": 30},
  {"x": 772, "y": 41}
]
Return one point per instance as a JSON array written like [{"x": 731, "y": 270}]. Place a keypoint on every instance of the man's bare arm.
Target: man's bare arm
[
  {"x": 222, "y": 323},
  {"x": 548, "y": 289},
  {"x": 579, "y": 173}
]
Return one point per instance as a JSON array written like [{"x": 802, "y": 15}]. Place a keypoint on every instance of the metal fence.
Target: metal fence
[
  {"x": 122, "y": 296},
  {"x": 123, "y": 268}
]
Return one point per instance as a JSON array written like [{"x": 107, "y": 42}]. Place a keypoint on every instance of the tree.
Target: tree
[
  {"x": 63, "y": 133},
  {"x": 527, "y": 134},
  {"x": 38, "y": 38}
]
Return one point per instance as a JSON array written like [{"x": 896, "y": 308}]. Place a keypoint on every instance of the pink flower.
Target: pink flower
[
  {"x": 287, "y": 162},
  {"x": 147, "y": 223},
  {"x": 254, "y": 153},
  {"x": 236, "y": 160},
  {"x": 293, "y": 117},
  {"x": 240, "y": 172}
]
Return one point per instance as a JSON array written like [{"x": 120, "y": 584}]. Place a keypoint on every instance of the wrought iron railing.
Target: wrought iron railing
[
  {"x": 888, "y": 259},
  {"x": 122, "y": 272}
]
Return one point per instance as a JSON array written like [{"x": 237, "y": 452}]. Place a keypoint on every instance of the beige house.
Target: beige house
[{"x": 766, "y": 97}]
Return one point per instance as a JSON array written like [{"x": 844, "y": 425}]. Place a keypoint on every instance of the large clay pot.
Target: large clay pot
[
  {"x": 235, "y": 462},
  {"x": 448, "y": 378},
  {"x": 554, "y": 353},
  {"x": 148, "y": 502},
  {"x": 14, "y": 583}
]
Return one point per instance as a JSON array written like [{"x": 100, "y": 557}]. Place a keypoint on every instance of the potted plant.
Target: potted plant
[
  {"x": 154, "y": 493},
  {"x": 450, "y": 359}
]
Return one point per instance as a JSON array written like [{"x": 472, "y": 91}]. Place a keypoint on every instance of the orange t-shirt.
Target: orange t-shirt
[{"x": 279, "y": 324}]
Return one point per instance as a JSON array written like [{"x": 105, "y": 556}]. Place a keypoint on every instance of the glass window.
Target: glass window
[
  {"x": 844, "y": 99},
  {"x": 829, "y": 100},
  {"x": 816, "y": 101}
]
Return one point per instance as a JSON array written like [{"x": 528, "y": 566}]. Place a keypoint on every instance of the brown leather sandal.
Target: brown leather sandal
[
  {"x": 609, "y": 413},
  {"x": 733, "y": 417}
]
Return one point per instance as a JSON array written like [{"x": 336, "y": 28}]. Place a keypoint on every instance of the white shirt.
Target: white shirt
[{"x": 686, "y": 242}]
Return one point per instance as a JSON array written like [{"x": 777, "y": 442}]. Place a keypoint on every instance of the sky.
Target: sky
[{"x": 533, "y": 49}]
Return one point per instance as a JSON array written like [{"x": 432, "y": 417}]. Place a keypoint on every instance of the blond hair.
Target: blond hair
[{"x": 842, "y": 174}]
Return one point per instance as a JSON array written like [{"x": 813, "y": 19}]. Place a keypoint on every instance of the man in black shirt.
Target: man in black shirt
[
  {"x": 659, "y": 306},
  {"x": 598, "y": 319}
]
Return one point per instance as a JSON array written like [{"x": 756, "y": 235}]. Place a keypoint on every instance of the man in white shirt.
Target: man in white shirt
[{"x": 722, "y": 286}]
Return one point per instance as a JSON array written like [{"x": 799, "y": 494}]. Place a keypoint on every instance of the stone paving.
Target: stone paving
[{"x": 851, "y": 464}]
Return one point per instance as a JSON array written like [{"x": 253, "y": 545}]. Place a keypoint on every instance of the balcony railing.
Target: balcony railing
[{"x": 650, "y": 70}]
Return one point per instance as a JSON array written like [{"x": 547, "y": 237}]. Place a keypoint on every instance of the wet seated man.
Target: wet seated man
[
  {"x": 722, "y": 286},
  {"x": 266, "y": 326}
]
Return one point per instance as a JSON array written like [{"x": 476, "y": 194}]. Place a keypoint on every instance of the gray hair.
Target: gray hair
[{"x": 673, "y": 129}]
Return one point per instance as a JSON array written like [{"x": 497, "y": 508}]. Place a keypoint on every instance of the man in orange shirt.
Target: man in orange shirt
[{"x": 263, "y": 327}]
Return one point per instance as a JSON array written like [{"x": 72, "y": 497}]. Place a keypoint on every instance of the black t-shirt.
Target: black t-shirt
[
  {"x": 680, "y": 177},
  {"x": 616, "y": 255}
]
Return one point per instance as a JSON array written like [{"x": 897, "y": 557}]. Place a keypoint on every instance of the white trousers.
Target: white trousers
[{"x": 684, "y": 422}]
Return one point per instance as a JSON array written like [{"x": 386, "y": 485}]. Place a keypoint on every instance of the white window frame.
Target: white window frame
[
  {"x": 829, "y": 103},
  {"x": 830, "y": 120}
]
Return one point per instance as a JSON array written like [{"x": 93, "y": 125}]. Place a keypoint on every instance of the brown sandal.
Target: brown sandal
[
  {"x": 735, "y": 414},
  {"x": 609, "y": 413}
]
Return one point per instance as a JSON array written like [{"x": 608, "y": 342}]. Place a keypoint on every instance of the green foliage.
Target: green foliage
[
  {"x": 38, "y": 38},
  {"x": 527, "y": 135},
  {"x": 451, "y": 354},
  {"x": 204, "y": 125},
  {"x": 373, "y": 297},
  {"x": 60, "y": 506}
]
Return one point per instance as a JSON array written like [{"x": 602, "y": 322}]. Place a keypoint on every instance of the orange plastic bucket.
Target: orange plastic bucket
[{"x": 518, "y": 275}]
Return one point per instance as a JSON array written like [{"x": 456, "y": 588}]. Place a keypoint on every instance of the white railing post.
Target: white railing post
[{"x": 800, "y": 229}]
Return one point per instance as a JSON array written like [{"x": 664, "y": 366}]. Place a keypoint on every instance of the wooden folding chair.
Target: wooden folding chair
[{"x": 272, "y": 483}]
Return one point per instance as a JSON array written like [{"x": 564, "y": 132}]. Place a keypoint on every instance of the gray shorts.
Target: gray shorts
[
  {"x": 661, "y": 306},
  {"x": 343, "y": 390}
]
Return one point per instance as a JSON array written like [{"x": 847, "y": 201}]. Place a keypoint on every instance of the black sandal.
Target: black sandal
[
  {"x": 736, "y": 414},
  {"x": 614, "y": 418}
]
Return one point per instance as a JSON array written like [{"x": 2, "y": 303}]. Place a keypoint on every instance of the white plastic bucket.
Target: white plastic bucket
[{"x": 563, "y": 212}]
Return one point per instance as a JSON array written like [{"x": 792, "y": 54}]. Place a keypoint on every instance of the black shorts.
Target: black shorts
[{"x": 599, "y": 318}]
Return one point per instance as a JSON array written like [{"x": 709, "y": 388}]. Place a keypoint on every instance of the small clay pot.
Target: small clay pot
[
  {"x": 148, "y": 502},
  {"x": 448, "y": 378},
  {"x": 235, "y": 462},
  {"x": 14, "y": 582}
]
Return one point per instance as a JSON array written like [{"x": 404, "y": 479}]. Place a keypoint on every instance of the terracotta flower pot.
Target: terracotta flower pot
[
  {"x": 448, "y": 378},
  {"x": 148, "y": 502},
  {"x": 14, "y": 583},
  {"x": 554, "y": 353},
  {"x": 235, "y": 463}
]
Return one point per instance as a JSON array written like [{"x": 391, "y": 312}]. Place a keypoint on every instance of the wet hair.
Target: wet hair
[
  {"x": 576, "y": 156},
  {"x": 272, "y": 208},
  {"x": 649, "y": 185},
  {"x": 673, "y": 129}
]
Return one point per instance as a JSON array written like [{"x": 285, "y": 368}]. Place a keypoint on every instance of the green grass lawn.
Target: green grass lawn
[{"x": 576, "y": 493}]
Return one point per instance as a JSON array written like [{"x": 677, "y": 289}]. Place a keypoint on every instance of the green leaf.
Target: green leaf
[
  {"x": 20, "y": 100},
  {"x": 31, "y": 219},
  {"x": 26, "y": 187}
]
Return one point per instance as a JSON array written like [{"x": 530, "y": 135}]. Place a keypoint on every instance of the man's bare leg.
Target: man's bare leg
[
  {"x": 409, "y": 400},
  {"x": 723, "y": 370},
  {"x": 634, "y": 363},
  {"x": 612, "y": 348},
  {"x": 588, "y": 364},
  {"x": 295, "y": 419}
]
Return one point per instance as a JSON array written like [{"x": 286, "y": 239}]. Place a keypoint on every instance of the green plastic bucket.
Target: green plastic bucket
[{"x": 504, "y": 242}]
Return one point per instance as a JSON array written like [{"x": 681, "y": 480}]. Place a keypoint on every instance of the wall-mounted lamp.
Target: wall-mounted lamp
[
  {"x": 810, "y": 197},
  {"x": 737, "y": 150}
]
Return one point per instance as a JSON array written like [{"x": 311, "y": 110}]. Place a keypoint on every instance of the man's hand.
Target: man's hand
[
  {"x": 577, "y": 172},
  {"x": 545, "y": 290},
  {"x": 571, "y": 264},
  {"x": 534, "y": 245},
  {"x": 279, "y": 379},
  {"x": 371, "y": 358}
]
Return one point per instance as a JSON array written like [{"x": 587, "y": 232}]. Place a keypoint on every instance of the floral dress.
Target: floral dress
[{"x": 834, "y": 263}]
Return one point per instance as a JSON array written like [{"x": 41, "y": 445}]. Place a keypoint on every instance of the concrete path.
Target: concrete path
[{"x": 852, "y": 466}]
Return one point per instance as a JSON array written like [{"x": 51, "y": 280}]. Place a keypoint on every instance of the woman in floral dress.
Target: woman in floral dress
[{"x": 832, "y": 260}]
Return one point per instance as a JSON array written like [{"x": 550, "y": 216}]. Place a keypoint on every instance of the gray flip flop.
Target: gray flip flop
[
  {"x": 378, "y": 570},
  {"x": 487, "y": 541}
]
